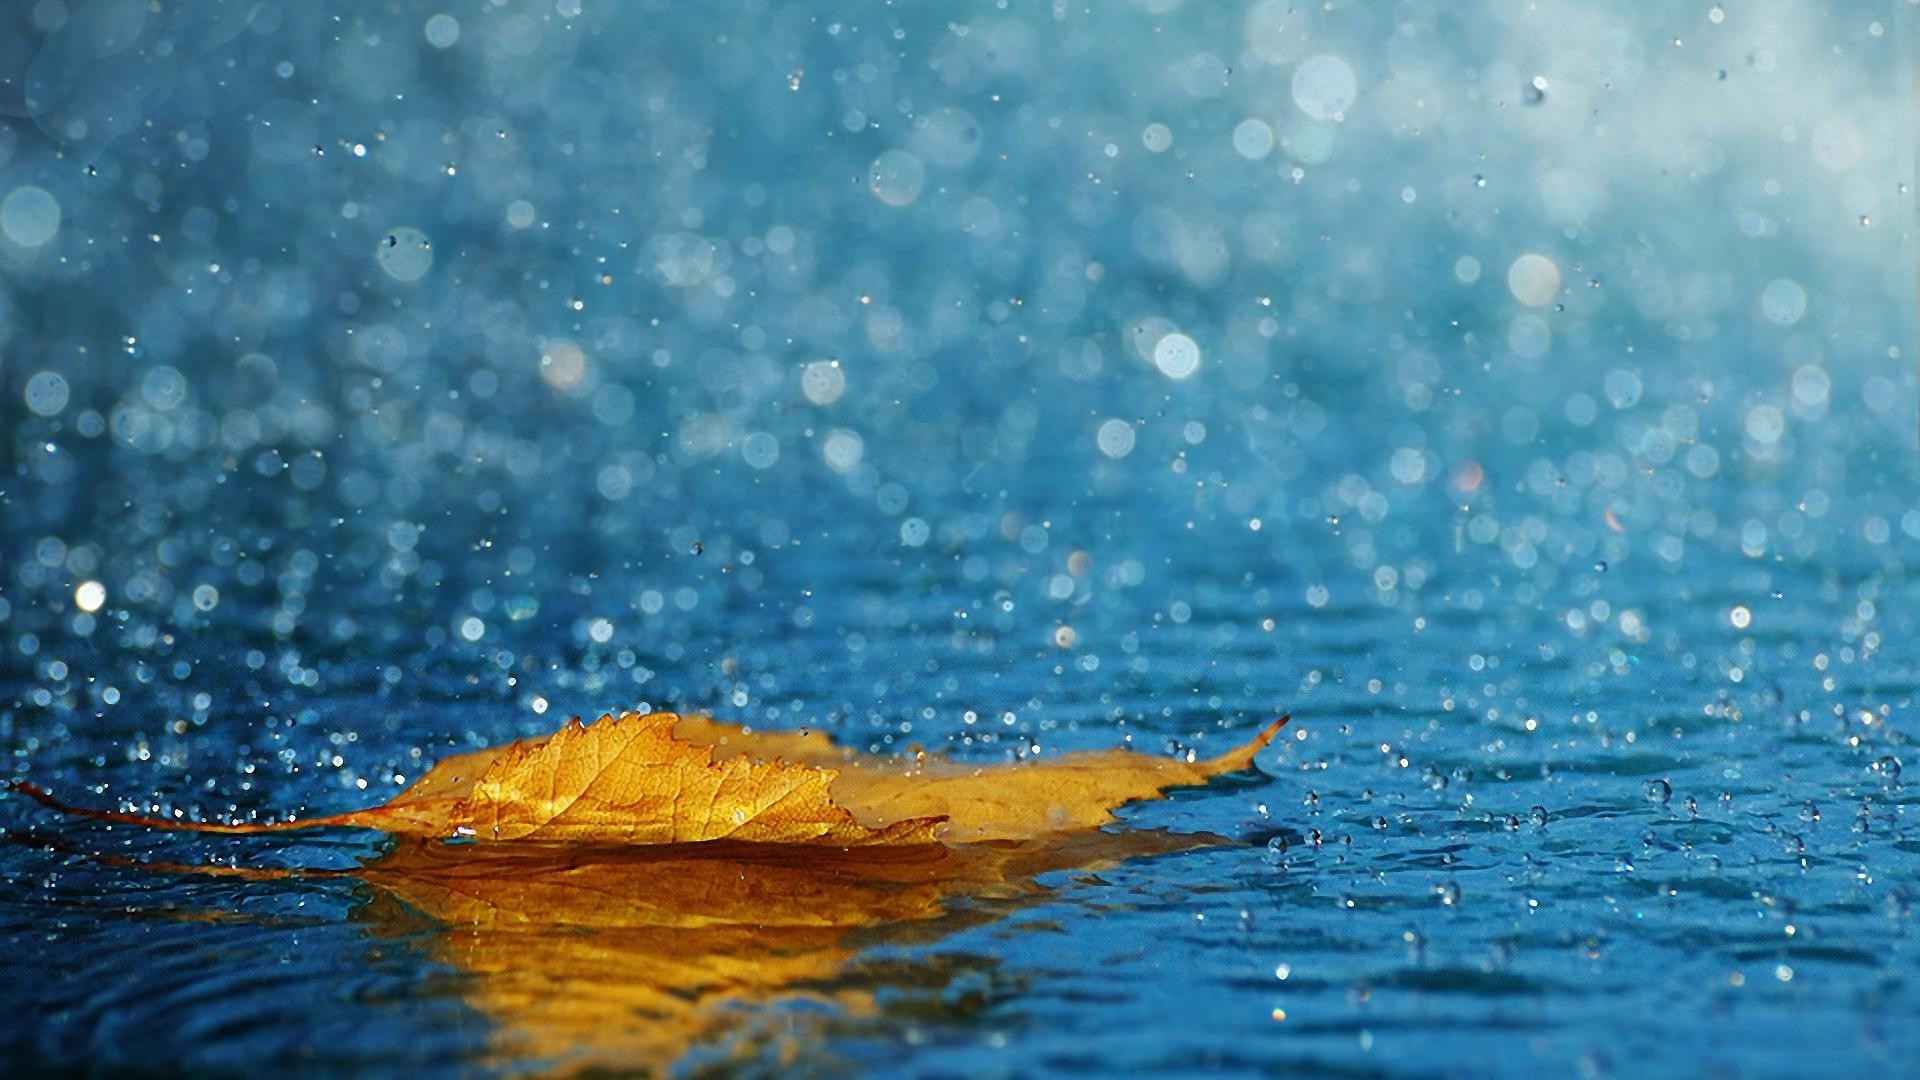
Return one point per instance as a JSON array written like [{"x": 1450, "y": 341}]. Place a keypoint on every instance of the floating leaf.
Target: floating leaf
[
  {"x": 663, "y": 779},
  {"x": 669, "y": 878}
]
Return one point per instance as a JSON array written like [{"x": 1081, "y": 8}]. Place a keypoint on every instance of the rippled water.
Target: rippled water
[{"x": 1523, "y": 402}]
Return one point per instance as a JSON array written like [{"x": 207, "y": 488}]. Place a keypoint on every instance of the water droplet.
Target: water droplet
[
  {"x": 1888, "y": 767},
  {"x": 1449, "y": 892},
  {"x": 1659, "y": 791},
  {"x": 1538, "y": 815}
]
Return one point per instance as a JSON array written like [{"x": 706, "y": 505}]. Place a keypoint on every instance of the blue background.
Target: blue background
[{"x": 1522, "y": 397}]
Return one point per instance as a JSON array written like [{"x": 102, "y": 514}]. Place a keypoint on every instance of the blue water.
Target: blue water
[{"x": 1525, "y": 401}]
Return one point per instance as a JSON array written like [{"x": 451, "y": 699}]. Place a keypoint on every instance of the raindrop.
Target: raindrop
[
  {"x": 1177, "y": 356},
  {"x": 405, "y": 254},
  {"x": 29, "y": 216},
  {"x": 1324, "y": 87},
  {"x": 896, "y": 178},
  {"x": 442, "y": 31}
]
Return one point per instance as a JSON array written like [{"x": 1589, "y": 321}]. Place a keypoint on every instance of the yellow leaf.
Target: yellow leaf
[
  {"x": 664, "y": 874},
  {"x": 663, "y": 779}
]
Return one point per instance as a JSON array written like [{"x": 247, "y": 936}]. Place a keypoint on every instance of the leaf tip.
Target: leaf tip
[
  {"x": 1242, "y": 757},
  {"x": 1268, "y": 733}
]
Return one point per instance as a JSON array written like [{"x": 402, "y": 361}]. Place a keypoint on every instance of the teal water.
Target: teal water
[{"x": 1524, "y": 403}]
